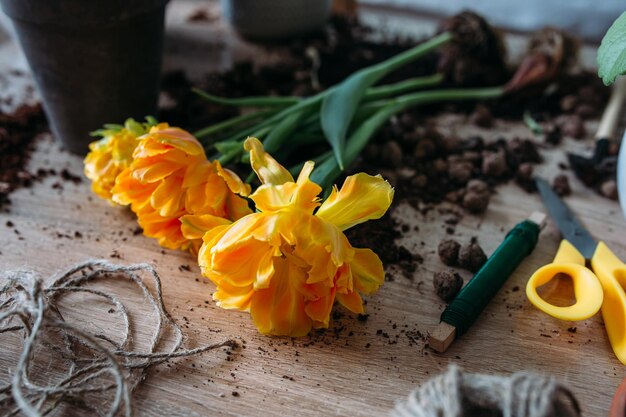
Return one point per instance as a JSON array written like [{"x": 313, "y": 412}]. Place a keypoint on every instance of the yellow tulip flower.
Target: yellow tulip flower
[
  {"x": 287, "y": 263},
  {"x": 109, "y": 156},
  {"x": 170, "y": 177}
]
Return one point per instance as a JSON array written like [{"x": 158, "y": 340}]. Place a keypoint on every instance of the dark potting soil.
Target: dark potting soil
[
  {"x": 18, "y": 133},
  {"x": 447, "y": 284},
  {"x": 462, "y": 171},
  {"x": 448, "y": 251}
]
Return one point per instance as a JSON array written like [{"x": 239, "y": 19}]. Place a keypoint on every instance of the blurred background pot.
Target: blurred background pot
[
  {"x": 275, "y": 19},
  {"x": 94, "y": 61}
]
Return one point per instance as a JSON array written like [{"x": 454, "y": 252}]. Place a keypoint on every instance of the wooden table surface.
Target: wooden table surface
[{"x": 356, "y": 367}]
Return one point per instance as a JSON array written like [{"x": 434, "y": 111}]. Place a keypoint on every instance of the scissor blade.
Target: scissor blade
[{"x": 571, "y": 229}]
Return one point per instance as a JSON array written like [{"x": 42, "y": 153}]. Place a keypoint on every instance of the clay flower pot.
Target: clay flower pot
[{"x": 94, "y": 62}]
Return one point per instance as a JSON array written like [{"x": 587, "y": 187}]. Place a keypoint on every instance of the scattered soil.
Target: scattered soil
[
  {"x": 609, "y": 189},
  {"x": 469, "y": 256},
  {"x": 524, "y": 177},
  {"x": 494, "y": 163},
  {"x": 472, "y": 257},
  {"x": 561, "y": 186},
  {"x": 385, "y": 229},
  {"x": 447, "y": 284},
  {"x": 482, "y": 116},
  {"x": 18, "y": 133},
  {"x": 571, "y": 125},
  {"x": 448, "y": 251},
  {"x": 476, "y": 198}
]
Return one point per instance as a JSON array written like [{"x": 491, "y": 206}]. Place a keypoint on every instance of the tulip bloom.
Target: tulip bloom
[
  {"x": 171, "y": 177},
  {"x": 287, "y": 263},
  {"x": 109, "y": 156}
]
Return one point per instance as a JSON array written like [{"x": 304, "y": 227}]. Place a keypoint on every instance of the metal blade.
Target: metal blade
[
  {"x": 568, "y": 224},
  {"x": 621, "y": 175}
]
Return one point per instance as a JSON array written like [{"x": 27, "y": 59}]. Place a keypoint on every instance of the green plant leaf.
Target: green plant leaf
[
  {"x": 226, "y": 147},
  {"x": 151, "y": 121},
  {"x": 326, "y": 173},
  {"x": 612, "y": 51},
  {"x": 232, "y": 122},
  {"x": 339, "y": 106},
  {"x": 263, "y": 101},
  {"x": 135, "y": 127},
  {"x": 239, "y": 127},
  {"x": 100, "y": 133},
  {"x": 389, "y": 90},
  {"x": 281, "y": 132}
]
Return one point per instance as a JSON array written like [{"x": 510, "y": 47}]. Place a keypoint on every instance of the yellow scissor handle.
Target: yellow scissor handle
[
  {"x": 587, "y": 288},
  {"x": 612, "y": 274}
]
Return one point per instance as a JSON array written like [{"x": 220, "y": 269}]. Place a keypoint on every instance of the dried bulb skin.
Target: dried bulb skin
[
  {"x": 472, "y": 31},
  {"x": 346, "y": 8},
  {"x": 550, "y": 52},
  {"x": 555, "y": 43},
  {"x": 477, "y": 56}
]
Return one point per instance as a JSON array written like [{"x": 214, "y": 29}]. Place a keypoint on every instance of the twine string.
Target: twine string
[
  {"x": 95, "y": 363},
  {"x": 523, "y": 394}
]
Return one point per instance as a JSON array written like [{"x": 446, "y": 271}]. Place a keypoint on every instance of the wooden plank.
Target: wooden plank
[{"x": 356, "y": 368}]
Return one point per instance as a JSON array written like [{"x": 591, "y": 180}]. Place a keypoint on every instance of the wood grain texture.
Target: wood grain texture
[{"x": 356, "y": 368}]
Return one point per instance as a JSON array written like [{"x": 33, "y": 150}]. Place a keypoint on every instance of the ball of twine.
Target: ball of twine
[
  {"x": 94, "y": 363},
  {"x": 457, "y": 394}
]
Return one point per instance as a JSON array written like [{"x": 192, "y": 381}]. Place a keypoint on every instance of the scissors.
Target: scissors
[{"x": 601, "y": 286}]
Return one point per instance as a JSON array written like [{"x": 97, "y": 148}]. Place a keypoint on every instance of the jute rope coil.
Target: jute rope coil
[
  {"x": 93, "y": 363},
  {"x": 458, "y": 394}
]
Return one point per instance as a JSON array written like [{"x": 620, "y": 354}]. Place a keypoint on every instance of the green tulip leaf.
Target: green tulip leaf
[{"x": 341, "y": 104}]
